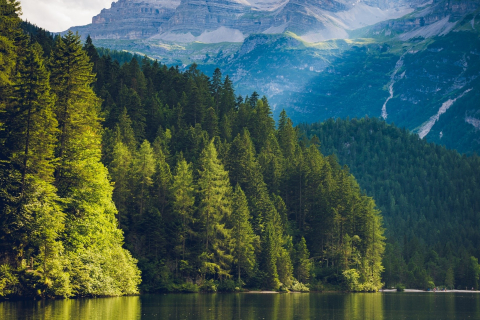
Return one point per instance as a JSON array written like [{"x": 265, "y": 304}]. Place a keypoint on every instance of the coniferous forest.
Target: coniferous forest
[
  {"x": 116, "y": 178},
  {"x": 429, "y": 197}
]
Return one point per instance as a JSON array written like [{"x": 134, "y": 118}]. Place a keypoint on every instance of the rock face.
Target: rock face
[
  {"x": 130, "y": 19},
  {"x": 437, "y": 19},
  {"x": 233, "y": 20}
]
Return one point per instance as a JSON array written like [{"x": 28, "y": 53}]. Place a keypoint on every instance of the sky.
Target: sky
[{"x": 59, "y": 15}]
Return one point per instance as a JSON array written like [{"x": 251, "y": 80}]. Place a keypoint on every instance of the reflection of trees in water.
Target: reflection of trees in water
[
  {"x": 125, "y": 308},
  {"x": 363, "y": 306}
]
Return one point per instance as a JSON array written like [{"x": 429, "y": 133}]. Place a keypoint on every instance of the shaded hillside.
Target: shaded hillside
[{"x": 429, "y": 196}]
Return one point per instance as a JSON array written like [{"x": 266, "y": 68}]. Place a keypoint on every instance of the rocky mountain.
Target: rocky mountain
[
  {"x": 130, "y": 19},
  {"x": 214, "y": 21}
]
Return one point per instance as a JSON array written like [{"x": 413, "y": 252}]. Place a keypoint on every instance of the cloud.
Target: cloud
[{"x": 59, "y": 15}]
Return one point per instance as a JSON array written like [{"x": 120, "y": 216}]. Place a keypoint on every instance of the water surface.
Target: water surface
[{"x": 249, "y": 306}]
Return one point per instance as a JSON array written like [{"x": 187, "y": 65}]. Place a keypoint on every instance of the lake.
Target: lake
[{"x": 253, "y": 306}]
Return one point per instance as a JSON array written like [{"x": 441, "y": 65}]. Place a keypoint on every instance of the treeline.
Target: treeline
[
  {"x": 58, "y": 227},
  {"x": 210, "y": 194},
  {"x": 429, "y": 196}
]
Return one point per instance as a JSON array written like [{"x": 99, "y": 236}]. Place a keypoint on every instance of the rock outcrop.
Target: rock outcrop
[
  {"x": 130, "y": 19},
  {"x": 436, "y": 19}
]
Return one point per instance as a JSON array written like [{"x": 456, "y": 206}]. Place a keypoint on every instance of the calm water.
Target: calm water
[{"x": 254, "y": 306}]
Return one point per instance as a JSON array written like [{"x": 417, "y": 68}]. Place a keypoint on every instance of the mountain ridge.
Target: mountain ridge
[{"x": 233, "y": 20}]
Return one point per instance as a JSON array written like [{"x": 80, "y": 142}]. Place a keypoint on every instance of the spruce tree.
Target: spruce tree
[
  {"x": 215, "y": 209},
  {"x": 302, "y": 262},
  {"x": 242, "y": 234},
  {"x": 183, "y": 191}
]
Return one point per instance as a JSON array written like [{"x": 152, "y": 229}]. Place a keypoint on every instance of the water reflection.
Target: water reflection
[
  {"x": 127, "y": 308},
  {"x": 254, "y": 306}
]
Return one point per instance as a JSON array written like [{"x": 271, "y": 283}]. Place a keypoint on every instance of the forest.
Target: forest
[
  {"x": 429, "y": 197},
  {"x": 120, "y": 178}
]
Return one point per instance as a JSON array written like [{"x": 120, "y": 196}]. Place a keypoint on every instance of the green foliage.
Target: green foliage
[
  {"x": 184, "y": 288},
  {"x": 59, "y": 231},
  {"x": 299, "y": 287},
  {"x": 243, "y": 238},
  {"x": 208, "y": 286},
  {"x": 351, "y": 280},
  {"x": 8, "y": 280}
]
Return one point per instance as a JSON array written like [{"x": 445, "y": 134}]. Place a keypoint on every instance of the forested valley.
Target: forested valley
[
  {"x": 117, "y": 178},
  {"x": 429, "y": 197}
]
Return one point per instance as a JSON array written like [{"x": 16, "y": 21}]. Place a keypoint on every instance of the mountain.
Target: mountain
[
  {"x": 214, "y": 21},
  {"x": 419, "y": 70}
]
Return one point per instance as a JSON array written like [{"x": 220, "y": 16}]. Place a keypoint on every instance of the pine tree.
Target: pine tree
[
  {"x": 242, "y": 234},
  {"x": 215, "y": 209},
  {"x": 302, "y": 262},
  {"x": 121, "y": 169},
  {"x": 144, "y": 169},
  {"x": 162, "y": 178},
  {"x": 183, "y": 190},
  {"x": 216, "y": 88}
]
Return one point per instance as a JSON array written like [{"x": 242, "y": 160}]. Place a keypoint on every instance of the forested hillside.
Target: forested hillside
[
  {"x": 206, "y": 193},
  {"x": 429, "y": 197}
]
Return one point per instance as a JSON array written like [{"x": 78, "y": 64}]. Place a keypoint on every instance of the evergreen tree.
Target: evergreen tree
[
  {"x": 183, "y": 190},
  {"x": 144, "y": 169},
  {"x": 97, "y": 262},
  {"x": 302, "y": 262},
  {"x": 215, "y": 209},
  {"x": 242, "y": 234}
]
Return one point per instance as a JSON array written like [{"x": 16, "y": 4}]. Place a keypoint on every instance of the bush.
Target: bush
[
  {"x": 430, "y": 285},
  {"x": 400, "y": 287},
  {"x": 8, "y": 280},
  {"x": 186, "y": 287},
  {"x": 227, "y": 286},
  {"x": 317, "y": 286},
  {"x": 351, "y": 277},
  {"x": 208, "y": 286},
  {"x": 299, "y": 287}
]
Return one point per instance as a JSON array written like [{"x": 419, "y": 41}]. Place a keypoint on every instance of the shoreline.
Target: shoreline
[
  {"x": 431, "y": 291},
  {"x": 5, "y": 299}
]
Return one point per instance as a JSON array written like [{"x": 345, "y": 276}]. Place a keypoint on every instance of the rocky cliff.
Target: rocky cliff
[
  {"x": 214, "y": 21},
  {"x": 130, "y": 19}
]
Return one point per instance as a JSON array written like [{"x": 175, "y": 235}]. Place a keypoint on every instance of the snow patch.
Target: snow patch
[
  {"x": 441, "y": 27},
  {"x": 221, "y": 34},
  {"x": 473, "y": 121},
  {"x": 425, "y": 129}
]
